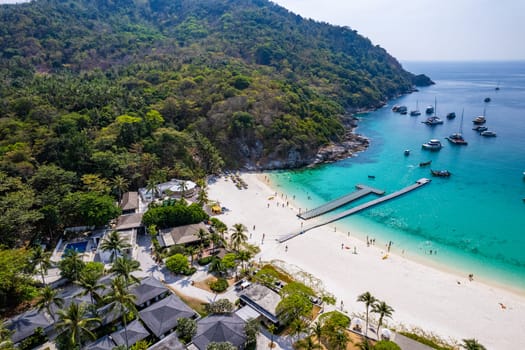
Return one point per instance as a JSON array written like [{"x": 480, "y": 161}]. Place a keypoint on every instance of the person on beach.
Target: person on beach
[{"x": 286, "y": 248}]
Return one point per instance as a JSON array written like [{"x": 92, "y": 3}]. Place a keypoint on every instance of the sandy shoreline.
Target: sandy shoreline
[{"x": 422, "y": 296}]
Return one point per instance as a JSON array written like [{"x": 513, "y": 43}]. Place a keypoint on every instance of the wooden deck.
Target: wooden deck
[
  {"x": 419, "y": 183},
  {"x": 362, "y": 191}
]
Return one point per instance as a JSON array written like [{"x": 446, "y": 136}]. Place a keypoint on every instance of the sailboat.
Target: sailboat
[
  {"x": 416, "y": 111},
  {"x": 457, "y": 137},
  {"x": 434, "y": 120}
]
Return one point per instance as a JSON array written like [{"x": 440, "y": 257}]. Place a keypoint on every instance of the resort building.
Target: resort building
[
  {"x": 129, "y": 204},
  {"x": 148, "y": 291},
  {"x": 162, "y": 317},
  {"x": 25, "y": 325},
  {"x": 263, "y": 300},
  {"x": 220, "y": 328},
  {"x": 135, "y": 333},
  {"x": 172, "y": 189},
  {"x": 130, "y": 222},
  {"x": 187, "y": 234}
]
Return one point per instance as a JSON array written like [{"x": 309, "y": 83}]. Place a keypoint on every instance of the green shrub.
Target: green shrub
[
  {"x": 205, "y": 261},
  {"x": 219, "y": 286},
  {"x": 177, "y": 263},
  {"x": 189, "y": 271}
]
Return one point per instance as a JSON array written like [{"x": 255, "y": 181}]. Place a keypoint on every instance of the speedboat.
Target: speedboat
[
  {"x": 487, "y": 99},
  {"x": 433, "y": 121},
  {"x": 432, "y": 145},
  {"x": 425, "y": 163},
  {"x": 488, "y": 133},
  {"x": 407, "y": 152},
  {"x": 480, "y": 128},
  {"x": 415, "y": 113},
  {"x": 479, "y": 120},
  {"x": 451, "y": 115},
  {"x": 402, "y": 110},
  {"x": 457, "y": 139},
  {"x": 429, "y": 109},
  {"x": 440, "y": 173}
]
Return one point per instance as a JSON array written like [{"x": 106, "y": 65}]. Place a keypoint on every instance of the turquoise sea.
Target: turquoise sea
[{"x": 475, "y": 219}]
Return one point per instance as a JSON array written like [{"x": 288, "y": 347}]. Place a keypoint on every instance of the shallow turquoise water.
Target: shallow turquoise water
[{"x": 475, "y": 219}]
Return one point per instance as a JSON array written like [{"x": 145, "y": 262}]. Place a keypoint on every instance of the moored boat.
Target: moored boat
[
  {"x": 451, "y": 115},
  {"x": 425, "y": 163},
  {"x": 415, "y": 112},
  {"x": 429, "y": 110},
  {"x": 480, "y": 128},
  {"x": 432, "y": 145},
  {"x": 487, "y": 99},
  {"x": 457, "y": 137},
  {"x": 440, "y": 173},
  {"x": 479, "y": 120},
  {"x": 433, "y": 121},
  {"x": 488, "y": 133},
  {"x": 407, "y": 152}
]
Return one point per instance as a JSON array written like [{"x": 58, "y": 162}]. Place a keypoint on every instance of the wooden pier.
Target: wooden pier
[
  {"x": 419, "y": 183},
  {"x": 362, "y": 191}
]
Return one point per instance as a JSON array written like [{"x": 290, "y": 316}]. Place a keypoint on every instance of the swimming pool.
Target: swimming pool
[{"x": 79, "y": 247}]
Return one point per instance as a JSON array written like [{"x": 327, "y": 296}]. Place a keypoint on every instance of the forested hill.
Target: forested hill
[{"x": 261, "y": 85}]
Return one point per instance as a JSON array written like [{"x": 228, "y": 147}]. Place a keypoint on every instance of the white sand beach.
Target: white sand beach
[{"x": 448, "y": 305}]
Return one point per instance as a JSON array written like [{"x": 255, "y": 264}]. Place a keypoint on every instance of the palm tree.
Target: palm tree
[
  {"x": 340, "y": 340},
  {"x": 123, "y": 267},
  {"x": 244, "y": 256},
  {"x": 217, "y": 240},
  {"x": 202, "y": 234},
  {"x": 183, "y": 187},
  {"x": 71, "y": 264},
  {"x": 238, "y": 236},
  {"x": 151, "y": 186},
  {"x": 202, "y": 197},
  {"x": 123, "y": 301},
  {"x": 307, "y": 344},
  {"x": 271, "y": 329},
  {"x": 120, "y": 185},
  {"x": 297, "y": 327},
  {"x": 48, "y": 298},
  {"x": 317, "y": 330},
  {"x": 114, "y": 243},
  {"x": 89, "y": 281},
  {"x": 217, "y": 266},
  {"x": 369, "y": 300},
  {"x": 472, "y": 344},
  {"x": 384, "y": 310},
  {"x": 74, "y": 320},
  {"x": 41, "y": 260},
  {"x": 191, "y": 250}
]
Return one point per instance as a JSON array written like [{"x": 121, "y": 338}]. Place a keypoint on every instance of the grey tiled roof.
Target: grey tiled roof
[
  {"x": 148, "y": 289},
  {"x": 136, "y": 332},
  {"x": 104, "y": 343},
  {"x": 220, "y": 328},
  {"x": 25, "y": 324},
  {"x": 163, "y": 315},
  {"x": 171, "y": 342}
]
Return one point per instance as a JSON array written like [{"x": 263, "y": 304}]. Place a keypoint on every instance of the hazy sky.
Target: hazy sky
[
  {"x": 426, "y": 29},
  {"x": 429, "y": 29}
]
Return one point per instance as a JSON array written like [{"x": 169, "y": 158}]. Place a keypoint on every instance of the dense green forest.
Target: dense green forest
[{"x": 101, "y": 96}]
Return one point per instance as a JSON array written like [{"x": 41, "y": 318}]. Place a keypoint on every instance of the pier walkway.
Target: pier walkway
[
  {"x": 362, "y": 191},
  {"x": 418, "y": 184}
]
